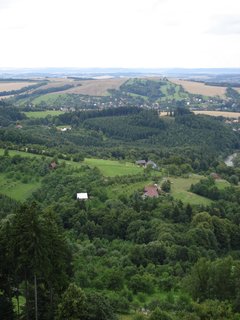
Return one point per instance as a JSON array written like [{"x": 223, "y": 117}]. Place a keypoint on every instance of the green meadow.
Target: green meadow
[
  {"x": 16, "y": 189},
  {"x": 112, "y": 168},
  {"x": 180, "y": 187}
]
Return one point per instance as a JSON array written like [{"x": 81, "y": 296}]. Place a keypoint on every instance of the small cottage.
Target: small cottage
[{"x": 150, "y": 192}]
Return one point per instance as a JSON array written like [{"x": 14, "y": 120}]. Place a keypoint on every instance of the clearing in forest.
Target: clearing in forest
[{"x": 180, "y": 187}]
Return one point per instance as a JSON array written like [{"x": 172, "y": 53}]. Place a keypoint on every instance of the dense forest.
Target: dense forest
[{"x": 119, "y": 254}]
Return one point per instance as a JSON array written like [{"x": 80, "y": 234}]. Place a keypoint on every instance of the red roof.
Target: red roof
[{"x": 151, "y": 191}]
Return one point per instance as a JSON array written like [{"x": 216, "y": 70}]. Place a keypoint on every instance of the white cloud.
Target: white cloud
[{"x": 120, "y": 33}]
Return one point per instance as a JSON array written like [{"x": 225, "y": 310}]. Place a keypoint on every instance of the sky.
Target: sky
[{"x": 120, "y": 33}]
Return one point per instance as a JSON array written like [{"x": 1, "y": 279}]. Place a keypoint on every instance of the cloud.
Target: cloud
[
  {"x": 225, "y": 25},
  {"x": 6, "y": 3}
]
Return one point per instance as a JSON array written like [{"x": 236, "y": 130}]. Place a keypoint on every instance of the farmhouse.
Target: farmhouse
[
  {"x": 152, "y": 164},
  {"x": 215, "y": 176},
  {"x": 150, "y": 192},
  {"x": 53, "y": 165},
  {"x": 141, "y": 163},
  {"x": 145, "y": 164},
  {"x": 82, "y": 196}
]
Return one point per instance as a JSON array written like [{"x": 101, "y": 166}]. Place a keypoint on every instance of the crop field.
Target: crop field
[
  {"x": 9, "y": 85},
  {"x": 200, "y": 88},
  {"x": 224, "y": 114},
  {"x": 17, "y": 189},
  {"x": 96, "y": 87},
  {"x": 180, "y": 187},
  {"x": 42, "y": 114}
]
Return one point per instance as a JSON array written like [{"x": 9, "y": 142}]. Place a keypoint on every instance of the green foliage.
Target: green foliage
[
  {"x": 73, "y": 304},
  {"x": 166, "y": 186},
  {"x": 158, "y": 314}
]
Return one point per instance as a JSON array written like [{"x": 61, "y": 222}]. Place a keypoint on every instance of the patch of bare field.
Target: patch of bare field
[
  {"x": 96, "y": 87},
  {"x": 238, "y": 89},
  {"x": 53, "y": 84},
  {"x": 200, "y": 88},
  {"x": 8, "y": 86},
  {"x": 224, "y": 114}
]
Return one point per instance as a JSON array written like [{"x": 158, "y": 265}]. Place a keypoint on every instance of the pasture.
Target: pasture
[
  {"x": 200, "y": 88},
  {"x": 180, "y": 187},
  {"x": 16, "y": 189},
  {"x": 112, "y": 168}
]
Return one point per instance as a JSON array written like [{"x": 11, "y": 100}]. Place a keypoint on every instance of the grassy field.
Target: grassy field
[
  {"x": 180, "y": 187},
  {"x": 222, "y": 184},
  {"x": 224, "y": 114},
  {"x": 48, "y": 98},
  {"x": 111, "y": 168},
  {"x": 201, "y": 88},
  {"x": 16, "y": 189},
  {"x": 42, "y": 114}
]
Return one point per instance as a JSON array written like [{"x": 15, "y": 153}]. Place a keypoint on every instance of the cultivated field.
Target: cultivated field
[
  {"x": 96, "y": 87},
  {"x": 219, "y": 113},
  {"x": 200, "y": 88},
  {"x": 8, "y": 86}
]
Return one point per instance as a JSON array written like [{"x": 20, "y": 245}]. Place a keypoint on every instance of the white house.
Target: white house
[{"x": 82, "y": 196}]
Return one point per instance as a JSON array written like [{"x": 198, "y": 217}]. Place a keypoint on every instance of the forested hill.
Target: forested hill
[
  {"x": 120, "y": 254},
  {"x": 134, "y": 124}
]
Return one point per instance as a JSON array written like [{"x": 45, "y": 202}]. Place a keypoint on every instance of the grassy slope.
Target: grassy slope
[
  {"x": 113, "y": 168},
  {"x": 16, "y": 189},
  {"x": 109, "y": 168},
  {"x": 180, "y": 187},
  {"x": 50, "y": 98}
]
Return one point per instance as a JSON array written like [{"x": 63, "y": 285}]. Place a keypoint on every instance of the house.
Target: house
[
  {"x": 141, "y": 163},
  {"x": 152, "y": 164},
  {"x": 215, "y": 176},
  {"x": 145, "y": 164},
  {"x": 53, "y": 165},
  {"x": 65, "y": 129},
  {"x": 151, "y": 192},
  {"x": 82, "y": 196}
]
